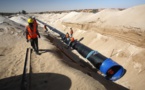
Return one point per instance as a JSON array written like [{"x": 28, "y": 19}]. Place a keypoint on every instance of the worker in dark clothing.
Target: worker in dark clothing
[
  {"x": 45, "y": 27},
  {"x": 34, "y": 21},
  {"x": 32, "y": 34},
  {"x": 71, "y": 32},
  {"x": 71, "y": 40},
  {"x": 66, "y": 37}
]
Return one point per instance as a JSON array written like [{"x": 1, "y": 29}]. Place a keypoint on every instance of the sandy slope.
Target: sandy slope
[
  {"x": 19, "y": 19},
  {"x": 48, "y": 70},
  {"x": 51, "y": 62},
  {"x": 127, "y": 25},
  {"x": 119, "y": 35}
]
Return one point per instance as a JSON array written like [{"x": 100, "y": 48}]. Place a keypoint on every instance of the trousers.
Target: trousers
[{"x": 34, "y": 44}]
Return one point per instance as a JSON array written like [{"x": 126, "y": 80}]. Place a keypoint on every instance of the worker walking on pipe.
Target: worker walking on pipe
[
  {"x": 34, "y": 21},
  {"x": 71, "y": 40},
  {"x": 66, "y": 37},
  {"x": 32, "y": 34},
  {"x": 45, "y": 28},
  {"x": 71, "y": 32}
]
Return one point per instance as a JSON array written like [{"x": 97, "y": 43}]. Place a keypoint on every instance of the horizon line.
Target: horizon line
[{"x": 59, "y": 10}]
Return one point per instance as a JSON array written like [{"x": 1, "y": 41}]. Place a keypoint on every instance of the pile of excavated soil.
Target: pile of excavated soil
[
  {"x": 48, "y": 69},
  {"x": 119, "y": 35}
]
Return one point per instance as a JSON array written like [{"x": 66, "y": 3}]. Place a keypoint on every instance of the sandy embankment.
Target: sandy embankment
[
  {"x": 48, "y": 70},
  {"x": 119, "y": 35},
  {"x": 121, "y": 39}
]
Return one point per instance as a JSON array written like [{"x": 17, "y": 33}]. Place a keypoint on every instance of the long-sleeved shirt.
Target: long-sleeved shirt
[{"x": 37, "y": 32}]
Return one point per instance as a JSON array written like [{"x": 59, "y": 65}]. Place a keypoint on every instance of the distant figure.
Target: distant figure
[
  {"x": 71, "y": 32},
  {"x": 71, "y": 40},
  {"x": 45, "y": 28},
  {"x": 32, "y": 34},
  {"x": 34, "y": 21},
  {"x": 67, "y": 36}
]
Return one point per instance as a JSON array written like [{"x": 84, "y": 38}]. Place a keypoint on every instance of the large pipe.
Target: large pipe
[{"x": 109, "y": 68}]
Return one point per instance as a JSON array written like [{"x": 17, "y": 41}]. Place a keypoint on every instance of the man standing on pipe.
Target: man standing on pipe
[
  {"x": 71, "y": 32},
  {"x": 32, "y": 34},
  {"x": 34, "y": 21},
  {"x": 66, "y": 37},
  {"x": 71, "y": 40},
  {"x": 45, "y": 28}
]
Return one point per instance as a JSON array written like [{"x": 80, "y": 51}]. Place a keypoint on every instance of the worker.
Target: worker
[
  {"x": 71, "y": 32},
  {"x": 34, "y": 21},
  {"x": 71, "y": 41},
  {"x": 67, "y": 36},
  {"x": 32, "y": 35},
  {"x": 45, "y": 28}
]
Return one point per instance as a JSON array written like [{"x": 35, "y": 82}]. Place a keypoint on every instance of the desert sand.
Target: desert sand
[{"x": 119, "y": 35}]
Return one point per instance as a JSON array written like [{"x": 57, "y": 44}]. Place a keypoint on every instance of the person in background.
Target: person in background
[
  {"x": 71, "y": 32},
  {"x": 34, "y": 21},
  {"x": 32, "y": 35},
  {"x": 67, "y": 36},
  {"x": 71, "y": 40},
  {"x": 45, "y": 28}
]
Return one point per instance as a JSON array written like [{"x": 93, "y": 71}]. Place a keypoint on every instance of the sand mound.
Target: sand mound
[
  {"x": 1, "y": 19},
  {"x": 133, "y": 17},
  {"x": 116, "y": 34},
  {"x": 111, "y": 17},
  {"x": 48, "y": 70},
  {"x": 119, "y": 35},
  {"x": 128, "y": 23},
  {"x": 19, "y": 19}
]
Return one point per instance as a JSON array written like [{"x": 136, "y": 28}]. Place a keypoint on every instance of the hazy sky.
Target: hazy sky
[{"x": 49, "y": 5}]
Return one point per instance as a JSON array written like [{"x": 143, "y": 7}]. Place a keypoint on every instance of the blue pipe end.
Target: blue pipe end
[{"x": 112, "y": 70}]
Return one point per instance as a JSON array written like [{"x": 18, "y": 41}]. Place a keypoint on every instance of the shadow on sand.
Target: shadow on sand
[
  {"x": 39, "y": 81},
  {"x": 41, "y": 51},
  {"x": 76, "y": 62}
]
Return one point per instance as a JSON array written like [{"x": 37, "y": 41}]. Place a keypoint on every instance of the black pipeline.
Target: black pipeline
[{"x": 109, "y": 68}]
